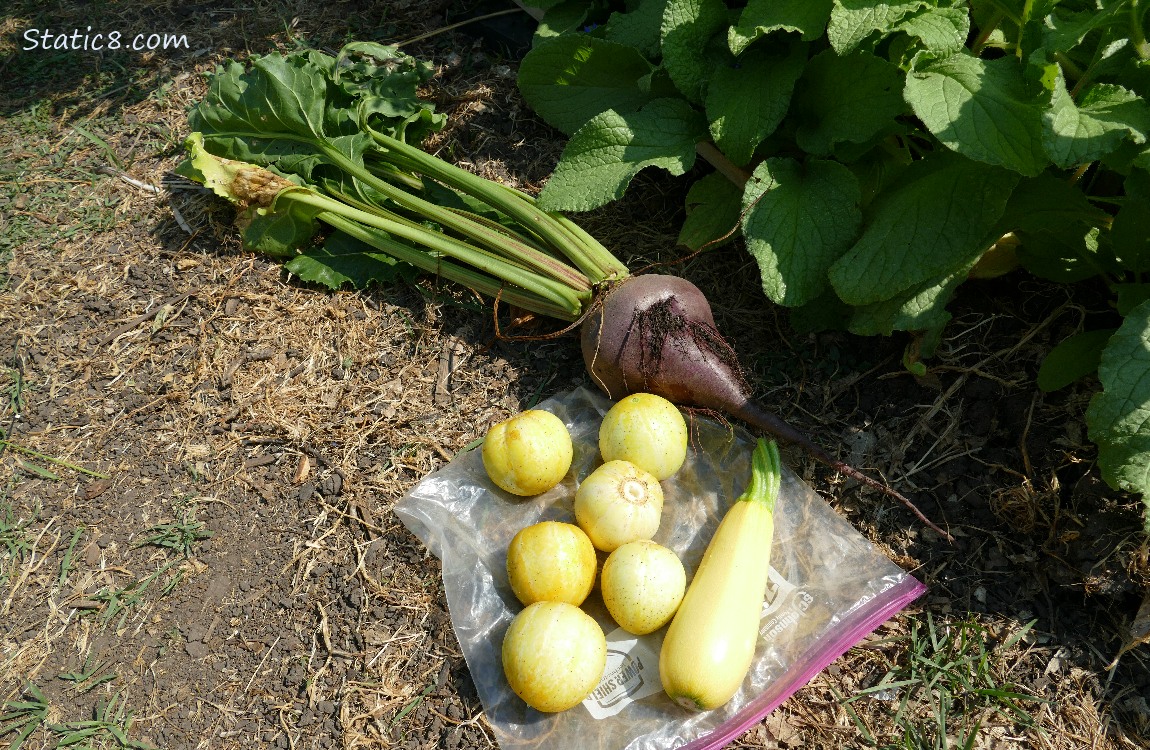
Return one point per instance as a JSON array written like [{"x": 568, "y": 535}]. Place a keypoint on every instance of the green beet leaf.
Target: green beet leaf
[
  {"x": 845, "y": 98},
  {"x": 713, "y": 204},
  {"x": 1082, "y": 132},
  {"x": 569, "y": 79},
  {"x": 601, "y": 158},
  {"x": 384, "y": 83},
  {"x": 799, "y": 219},
  {"x": 747, "y": 100},
  {"x": 281, "y": 232},
  {"x": 342, "y": 259},
  {"x": 938, "y": 218},
  {"x": 1118, "y": 419},
  {"x": 1072, "y": 358},
  {"x": 978, "y": 108},
  {"x": 277, "y": 96},
  {"x": 685, "y": 35},
  {"x": 296, "y": 112},
  {"x": 808, "y": 18},
  {"x": 853, "y": 21}
]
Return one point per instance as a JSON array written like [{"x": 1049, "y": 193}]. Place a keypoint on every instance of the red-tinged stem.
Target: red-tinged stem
[{"x": 755, "y": 415}]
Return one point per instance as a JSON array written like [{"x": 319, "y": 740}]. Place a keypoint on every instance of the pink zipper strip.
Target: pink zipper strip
[{"x": 863, "y": 621}]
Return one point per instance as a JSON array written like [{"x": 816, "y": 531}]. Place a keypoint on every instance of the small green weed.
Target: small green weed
[
  {"x": 69, "y": 556},
  {"x": 91, "y": 676},
  {"x": 15, "y": 540},
  {"x": 180, "y": 536},
  {"x": 108, "y": 727},
  {"x": 950, "y": 682},
  {"x": 112, "y": 602},
  {"x": 23, "y": 717}
]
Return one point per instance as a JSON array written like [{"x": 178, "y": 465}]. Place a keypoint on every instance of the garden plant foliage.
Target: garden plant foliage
[{"x": 875, "y": 155}]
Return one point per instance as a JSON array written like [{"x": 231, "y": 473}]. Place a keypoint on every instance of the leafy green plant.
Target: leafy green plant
[
  {"x": 109, "y": 727},
  {"x": 309, "y": 139},
  {"x": 16, "y": 542},
  {"x": 22, "y": 718},
  {"x": 954, "y": 671},
  {"x": 111, "y": 601},
  {"x": 876, "y": 155},
  {"x": 180, "y": 536},
  {"x": 91, "y": 676}
]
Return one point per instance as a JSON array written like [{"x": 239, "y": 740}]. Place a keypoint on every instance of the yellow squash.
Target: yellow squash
[{"x": 711, "y": 641}]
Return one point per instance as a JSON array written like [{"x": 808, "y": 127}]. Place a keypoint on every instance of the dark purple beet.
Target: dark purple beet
[{"x": 656, "y": 334}]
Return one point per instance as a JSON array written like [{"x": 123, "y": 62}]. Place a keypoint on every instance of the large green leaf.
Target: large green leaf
[
  {"x": 760, "y": 17},
  {"x": 746, "y": 101},
  {"x": 1072, "y": 358},
  {"x": 1131, "y": 230},
  {"x": 278, "y": 96},
  {"x": 601, "y": 158},
  {"x": 297, "y": 111},
  {"x": 713, "y": 205},
  {"x": 979, "y": 108},
  {"x": 938, "y": 29},
  {"x": 799, "y": 219},
  {"x": 687, "y": 29},
  {"x": 1118, "y": 419},
  {"x": 845, "y": 98},
  {"x": 638, "y": 28},
  {"x": 342, "y": 259},
  {"x": 939, "y": 218},
  {"x": 1082, "y": 132},
  {"x": 852, "y": 21},
  {"x": 569, "y": 79},
  {"x": 281, "y": 231},
  {"x": 919, "y": 308},
  {"x": 1057, "y": 228}
]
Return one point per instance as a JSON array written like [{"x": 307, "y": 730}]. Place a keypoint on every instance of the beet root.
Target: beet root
[{"x": 656, "y": 334}]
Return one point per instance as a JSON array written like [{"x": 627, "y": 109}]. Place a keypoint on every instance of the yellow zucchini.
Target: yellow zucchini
[{"x": 711, "y": 641}]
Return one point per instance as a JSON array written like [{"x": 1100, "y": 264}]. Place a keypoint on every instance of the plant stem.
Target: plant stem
[
  {"x": 593, "y": 260},
  {"x": 468, "y": 277},
  {"x": 497, "y": 241},
  {"x": 61, "y": 462},
  {"x": 766, "y": 475},
  {"x": 570, "y": 299},
  {"x": 1137, "y": 33},
  {"x": 720, "y": 162},
  {"x": 985, "y": 32}
]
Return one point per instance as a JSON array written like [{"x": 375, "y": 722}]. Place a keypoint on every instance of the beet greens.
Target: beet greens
[{"x": 307, "y": 140}]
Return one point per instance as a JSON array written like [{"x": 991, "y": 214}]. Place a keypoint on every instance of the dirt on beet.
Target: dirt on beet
[{"x": 201, "y": 453}]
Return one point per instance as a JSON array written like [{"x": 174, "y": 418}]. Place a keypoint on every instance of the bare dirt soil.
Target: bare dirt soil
[{"x": 202, "y": 453}]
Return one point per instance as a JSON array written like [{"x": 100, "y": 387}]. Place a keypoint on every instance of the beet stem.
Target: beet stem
[{"x": 754, "y": 414}]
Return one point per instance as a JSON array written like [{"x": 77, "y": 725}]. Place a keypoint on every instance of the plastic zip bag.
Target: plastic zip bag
[{"x": 829, "y": 588}]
